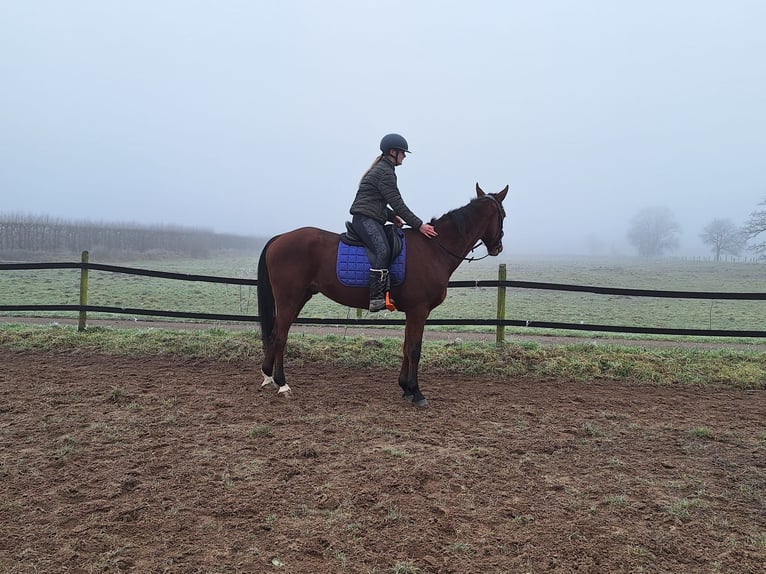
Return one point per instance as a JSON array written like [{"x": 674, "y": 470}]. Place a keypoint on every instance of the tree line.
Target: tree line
[
  {"x": 24, "y": 236},
  {"x": 654, "y": 231}
]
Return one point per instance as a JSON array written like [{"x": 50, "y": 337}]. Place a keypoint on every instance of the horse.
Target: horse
[{"x": 296, "y": 265}]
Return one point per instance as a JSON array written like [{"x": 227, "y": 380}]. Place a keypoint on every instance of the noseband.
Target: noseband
[{"x": 496, "y": 242}]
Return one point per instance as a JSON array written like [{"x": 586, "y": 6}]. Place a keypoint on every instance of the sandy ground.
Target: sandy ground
[{"x": 116, "y": 464}]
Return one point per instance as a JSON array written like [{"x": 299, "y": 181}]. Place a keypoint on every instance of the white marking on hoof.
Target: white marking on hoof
[
  {"x": 268, "y": 382},
  {"x": 285, "y": 391}
]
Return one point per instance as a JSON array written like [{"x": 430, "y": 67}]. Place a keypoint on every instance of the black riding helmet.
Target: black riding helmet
[{"x": 393, "y": 141}]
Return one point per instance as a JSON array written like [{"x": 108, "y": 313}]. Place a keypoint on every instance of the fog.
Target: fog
[{"x": 254, "y": 117}]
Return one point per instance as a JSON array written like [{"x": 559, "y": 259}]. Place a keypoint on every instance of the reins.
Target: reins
[{"x": 469, "y": 259}]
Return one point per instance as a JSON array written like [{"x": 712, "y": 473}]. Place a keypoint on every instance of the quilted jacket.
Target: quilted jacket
[{"x": 377, "y": 191}]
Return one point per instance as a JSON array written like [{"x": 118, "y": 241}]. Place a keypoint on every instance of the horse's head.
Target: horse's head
[{"x": 493, "y": 233}]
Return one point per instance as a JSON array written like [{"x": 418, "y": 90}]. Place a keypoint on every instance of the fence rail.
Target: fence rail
[{"x": 499, "y": 323}]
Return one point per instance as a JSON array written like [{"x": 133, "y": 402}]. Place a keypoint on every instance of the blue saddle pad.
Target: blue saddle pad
[{"x": 353, "y": 267}]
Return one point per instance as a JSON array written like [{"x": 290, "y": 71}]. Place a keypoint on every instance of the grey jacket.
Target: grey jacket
[{"x": 377, "y": 191}]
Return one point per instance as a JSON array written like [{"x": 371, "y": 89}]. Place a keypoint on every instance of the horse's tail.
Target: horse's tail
[{"x": 266, "y": 304}]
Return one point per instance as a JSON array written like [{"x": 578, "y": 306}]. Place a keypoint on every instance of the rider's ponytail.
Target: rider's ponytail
[{"x": 377, "y": 159}]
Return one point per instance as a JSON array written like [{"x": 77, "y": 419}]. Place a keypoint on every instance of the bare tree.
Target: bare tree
[
  {"x": 654, "y": 230},
  {"x": 754, "y": 226},
  {"x": 723, "y": 237}
]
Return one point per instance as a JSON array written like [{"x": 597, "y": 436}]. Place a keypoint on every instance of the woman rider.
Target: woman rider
[{"x": 377, "y": 201}]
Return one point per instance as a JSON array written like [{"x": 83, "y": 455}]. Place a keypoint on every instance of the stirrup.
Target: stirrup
[{"x": 390, "y": 302}]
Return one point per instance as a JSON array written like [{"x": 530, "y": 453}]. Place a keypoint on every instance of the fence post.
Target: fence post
[
  {"x": 83, "y": 291},
  {"x": 500, "y": 333}
]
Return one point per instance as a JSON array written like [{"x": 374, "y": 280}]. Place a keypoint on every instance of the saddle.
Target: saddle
[{"x": 353, "y": 266}]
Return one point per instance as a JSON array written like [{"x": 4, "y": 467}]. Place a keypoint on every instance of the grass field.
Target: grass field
[
  {"x": 578, "y": 360},
  {"x": 735, "y": 368},
  {"x": 114, "y": 289}
]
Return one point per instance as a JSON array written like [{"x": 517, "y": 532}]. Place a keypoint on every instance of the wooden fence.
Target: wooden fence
[{"x": 500, "y": 322}]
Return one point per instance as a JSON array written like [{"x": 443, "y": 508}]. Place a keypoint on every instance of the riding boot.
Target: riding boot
[{"x": 378, "y": 281}]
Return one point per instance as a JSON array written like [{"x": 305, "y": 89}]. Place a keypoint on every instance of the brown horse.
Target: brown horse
[{"x": 296, "y": 265}]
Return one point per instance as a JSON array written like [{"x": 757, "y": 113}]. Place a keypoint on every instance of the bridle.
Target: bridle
[{"x": 496, "y": 242}]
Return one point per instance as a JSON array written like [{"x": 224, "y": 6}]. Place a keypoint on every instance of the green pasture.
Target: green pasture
[
  {"x": 130, "y": 291},
  {"x": 585, "y": 361}
]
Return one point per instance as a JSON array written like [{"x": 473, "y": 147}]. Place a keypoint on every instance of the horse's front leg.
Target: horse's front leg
[
  {"x": 404, "y": 372},
  {"x": 411, "y": 350}
]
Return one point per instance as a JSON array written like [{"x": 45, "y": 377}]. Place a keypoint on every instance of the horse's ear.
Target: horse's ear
[
  {"x": 479, "y": 191},
  {"x": 501, "y": 196}
]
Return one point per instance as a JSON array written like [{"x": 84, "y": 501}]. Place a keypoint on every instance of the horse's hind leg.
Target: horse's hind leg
[
  {"x": 269, "y": 361},
  {"x": 272, "y": 368},
  {"x": 267, "y": 366}
]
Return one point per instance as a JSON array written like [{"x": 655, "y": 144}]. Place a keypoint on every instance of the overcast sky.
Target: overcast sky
[{"x": 255, "y": 117}]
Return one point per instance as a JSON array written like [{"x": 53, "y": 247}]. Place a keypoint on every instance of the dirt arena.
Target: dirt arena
[{"x": 114, "y": 464}]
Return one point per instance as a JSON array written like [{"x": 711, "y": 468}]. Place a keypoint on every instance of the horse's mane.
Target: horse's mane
[{"x": 460, "y": 216}]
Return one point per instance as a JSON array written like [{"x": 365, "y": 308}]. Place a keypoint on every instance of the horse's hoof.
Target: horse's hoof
[
  {"x": 285, "y": 391},
  {"x": 268, "y": 383},
  {"x": 407, "y": 398},
  {"x": 422, "y": 403}
]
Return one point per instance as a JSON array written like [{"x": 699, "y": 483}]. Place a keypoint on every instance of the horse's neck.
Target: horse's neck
[{"x": 459, "y": 244}]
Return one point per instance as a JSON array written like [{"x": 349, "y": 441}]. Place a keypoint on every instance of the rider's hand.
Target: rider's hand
[{"x": 428, "y": 230}]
